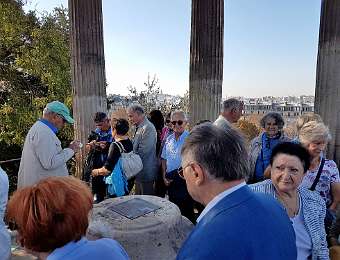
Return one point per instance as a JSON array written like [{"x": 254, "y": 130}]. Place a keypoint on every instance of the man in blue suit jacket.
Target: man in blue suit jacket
[{"x": 236, "y": 223}]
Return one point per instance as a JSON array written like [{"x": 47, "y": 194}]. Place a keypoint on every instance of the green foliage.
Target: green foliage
[
  {"x": 34, "y": 67},
  {"x": 34, "y": 70}
]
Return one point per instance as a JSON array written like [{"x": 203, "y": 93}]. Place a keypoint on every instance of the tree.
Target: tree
[{"x": 149, "y": 97}]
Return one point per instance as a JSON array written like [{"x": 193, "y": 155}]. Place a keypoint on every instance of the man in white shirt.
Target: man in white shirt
[
  {"x": 232, "y": 110},
  {"x": 42, "y": 155}
]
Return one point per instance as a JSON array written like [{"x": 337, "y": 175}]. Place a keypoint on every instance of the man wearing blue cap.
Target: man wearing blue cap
[{"x": 43, "y": 155}]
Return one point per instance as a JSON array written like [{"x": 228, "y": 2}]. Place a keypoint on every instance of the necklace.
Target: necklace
[{"x": 291, "y": 210}]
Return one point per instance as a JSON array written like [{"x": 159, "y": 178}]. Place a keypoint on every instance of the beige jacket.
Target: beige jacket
[{"x": 42, "y": 156}]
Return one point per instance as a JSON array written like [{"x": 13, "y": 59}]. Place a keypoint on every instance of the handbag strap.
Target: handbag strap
[
  {"x": 120, "y": 147},
  {"x": 317, "y": 178}
]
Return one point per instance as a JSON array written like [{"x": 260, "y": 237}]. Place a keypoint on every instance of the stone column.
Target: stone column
[
  {"x": 206, "y": 59},
  {"x": 327, "y": 91},
  {"x": 88, "y": 67}
]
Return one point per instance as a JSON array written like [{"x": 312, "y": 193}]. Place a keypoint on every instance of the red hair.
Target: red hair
[{"x": 50, "y": 213}]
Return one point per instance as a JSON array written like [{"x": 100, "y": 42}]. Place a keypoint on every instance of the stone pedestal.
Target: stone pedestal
[{"x": 156, "y": 235}]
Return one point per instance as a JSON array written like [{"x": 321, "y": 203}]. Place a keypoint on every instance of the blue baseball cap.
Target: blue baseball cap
[{"x": 60, "y": 109}]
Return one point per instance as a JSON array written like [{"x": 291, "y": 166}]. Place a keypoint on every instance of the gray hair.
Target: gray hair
[
  {"x": 180, "y": 113},
  {"x": 314, "y": 131},
  {"x": 136, "y": 108},
  {"x": 273, "y": 115},
  {"x": 230, "y": 104},
  {"x": 221, "y": 153},
  {"x": 46, "y": 112}
]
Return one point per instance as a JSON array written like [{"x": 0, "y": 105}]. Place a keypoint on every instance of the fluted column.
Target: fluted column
[
  {"x": 327, "y": 91},
  {"x": 206, "y": 59},
  {"x": 87, "y": 65}
]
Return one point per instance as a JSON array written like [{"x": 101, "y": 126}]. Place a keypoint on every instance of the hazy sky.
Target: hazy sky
[{"x": 270, "y": 47}]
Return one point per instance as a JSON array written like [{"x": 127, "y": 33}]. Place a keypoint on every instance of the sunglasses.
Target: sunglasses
[
  {"x": 167, "y": 121},
  {"x": 179, "y": 122}
]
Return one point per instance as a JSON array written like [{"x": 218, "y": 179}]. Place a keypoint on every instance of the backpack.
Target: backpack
[
  {"x": 131, "y": 162},
  {"x": 116, "y": 181}
]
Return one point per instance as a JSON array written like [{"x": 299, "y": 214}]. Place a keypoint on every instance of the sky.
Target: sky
[{"x": 270, "y": 47}]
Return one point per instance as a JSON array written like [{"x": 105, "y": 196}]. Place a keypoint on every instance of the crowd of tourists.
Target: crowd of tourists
[{"x": 279, "y": 198}]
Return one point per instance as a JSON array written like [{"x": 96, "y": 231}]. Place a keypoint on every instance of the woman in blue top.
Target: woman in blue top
[
  {"x": 262, "y": 145},
  {"x": 52, "y": 217}
]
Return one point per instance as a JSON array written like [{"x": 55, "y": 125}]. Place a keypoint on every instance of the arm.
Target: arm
[
  {"x": 166, "y": 181},
  {"x": 335, "y": 185},
  {"x": 112, "y": 159},
  {"x": 47, "y": 153},
  {"x": 335, "y": 229},
  {"x": 323, "y": 253},
  {"x": 163, "y": 164},
  {"x": 335, "y": 189}
]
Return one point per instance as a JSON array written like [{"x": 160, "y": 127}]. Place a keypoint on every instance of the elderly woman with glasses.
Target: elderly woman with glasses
[
  {"x": 262, "y": 145},
  {"x": 289, "y": 162},
  {"x": 52, "y": 217}
]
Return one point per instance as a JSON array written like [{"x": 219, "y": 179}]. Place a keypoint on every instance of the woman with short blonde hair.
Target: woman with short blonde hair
[
  {"x": 305, "y": 118},
  {"x": 314, "y": 136}
]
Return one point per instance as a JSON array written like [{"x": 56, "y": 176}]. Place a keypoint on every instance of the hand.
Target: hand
[
  {"x": 95, "y": 172},
  {"x": 75, "y": 145},
  {"x": 102, "y": 144},
  {"x": 92, "y": 144},
  {"x": 167, "y": 181}
]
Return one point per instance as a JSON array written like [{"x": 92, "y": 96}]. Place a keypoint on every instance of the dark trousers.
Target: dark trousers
[
  {"x": 160, "y": 188},
  {"x": 178, "y": 194},
  {"x": 186, "y": 206},
  {"x": 99, "y": 188}
]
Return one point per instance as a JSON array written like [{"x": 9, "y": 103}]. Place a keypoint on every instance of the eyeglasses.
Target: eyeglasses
[
  {"x": 167, "y": 121},
  {"x": 179, "y": 122},
  {"x": 180, "y": 170}
]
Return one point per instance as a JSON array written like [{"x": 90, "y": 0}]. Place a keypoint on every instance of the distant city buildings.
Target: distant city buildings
[{"x": 289, "y": 107}]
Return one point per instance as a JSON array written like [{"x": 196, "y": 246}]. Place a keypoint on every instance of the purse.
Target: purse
[{"x": 131, "y": 162}]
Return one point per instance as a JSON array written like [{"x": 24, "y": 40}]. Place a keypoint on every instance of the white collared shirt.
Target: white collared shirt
[{"x": 218, "y": 198}]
